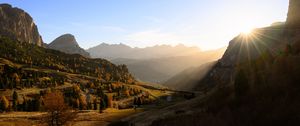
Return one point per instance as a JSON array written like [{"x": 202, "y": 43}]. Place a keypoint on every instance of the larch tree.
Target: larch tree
[
  {"x": 4, "y": 103},
  {"x": 58, "y": 112}
]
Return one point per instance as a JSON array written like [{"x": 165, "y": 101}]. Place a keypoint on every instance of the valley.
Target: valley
[{"x": 151, "y": 79}]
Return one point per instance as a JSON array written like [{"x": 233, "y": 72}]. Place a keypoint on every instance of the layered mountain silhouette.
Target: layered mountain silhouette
[
  {"x": 68, "y": 44},
  {"x": 158, "y": 63},
  {"x": 189, "y": 78},
  {"x": 18, "y": 25},
  {"x": 115, "y": 51}
]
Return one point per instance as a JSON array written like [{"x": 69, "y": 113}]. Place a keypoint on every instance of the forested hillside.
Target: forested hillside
[{"x": 38, "y": 57}]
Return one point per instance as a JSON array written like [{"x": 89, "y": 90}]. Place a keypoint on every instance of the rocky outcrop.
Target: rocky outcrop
[
  {"x": 246, "y": 48},
  {"x": 293, "y": 18},
  {"x": 18, "y": 25},
  {"x": 68, "y": 44}
]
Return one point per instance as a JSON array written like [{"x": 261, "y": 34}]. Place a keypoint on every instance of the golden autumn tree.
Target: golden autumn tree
[
  {"x": 107, "y": 77},
  {"x": 58, "y": 112},
  {"x": 82, "y": 102},
  {"x": 4, "y": 103}
]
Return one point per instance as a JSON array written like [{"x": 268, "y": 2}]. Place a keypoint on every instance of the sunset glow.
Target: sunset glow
[
  {"x": 208, "y": 24},
  {"x": 247, "y": 31}
]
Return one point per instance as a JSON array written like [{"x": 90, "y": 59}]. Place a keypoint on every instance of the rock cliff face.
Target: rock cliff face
[
  {"x": 18, "y": 25},
  {"x": 68, "y": 44},
  {"x": 293, "y": 18},
  {"x": 246, "y": 48}
]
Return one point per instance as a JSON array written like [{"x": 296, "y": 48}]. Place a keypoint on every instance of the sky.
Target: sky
[{"x": 208, "y": 24}]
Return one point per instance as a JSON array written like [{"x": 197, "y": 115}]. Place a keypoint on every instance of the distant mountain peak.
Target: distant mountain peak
[
  {"x": 121, "y": 50},
  {"x": 67, "y": 43},
  {"x": 68, "y": 35},
  {"x": 104, "y": 44},
  {"x": 67, "y": 39}
]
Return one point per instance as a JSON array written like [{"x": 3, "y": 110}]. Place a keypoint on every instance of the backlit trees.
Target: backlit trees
[
  {"x": 58, "y": 112},
  {"x": 4, "y": 104}
]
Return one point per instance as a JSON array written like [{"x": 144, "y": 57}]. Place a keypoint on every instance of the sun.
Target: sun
[{"x": 247, "y": 31}]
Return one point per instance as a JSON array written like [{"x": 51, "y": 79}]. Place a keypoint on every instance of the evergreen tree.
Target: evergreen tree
[
  {"x": 37, "y": 104},
  {"x": 1, "y": 83},
  {"x": 139, "y": 101},
  {"x": 1, "y": 106},
  {"x": 95, "y": 104},
  {"x": 106, "y": 100},
  {"x": 100, "y": 92},
  {"x": 135, "y": 101},
  {"x": 102, "y": 105},
  {"x": 25, "y": 105},
  {"x": 15, "y": 101}
]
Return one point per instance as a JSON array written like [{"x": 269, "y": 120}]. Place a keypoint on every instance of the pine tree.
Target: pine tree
[
  {"x": 102, "y": 105},
  {"x": 15, "y": 100},
  {"x": 139, "y": 102},
  {"x": 95, "y": 104},
  {"x": 135, "y": 101},
  {"x": 106, "y": 100},
  {"x": 100, "y": 92},
  {"x": 25, "y": 105},
  {"x": 1, "y": 83},
  {"x": 1, "y": 106}
]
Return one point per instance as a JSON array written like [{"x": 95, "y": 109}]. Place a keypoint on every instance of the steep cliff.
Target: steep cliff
[
  {"x": 293, "y": 18},
  {"x": 255, "y": 83},
  {"x": 244, "y": 49},
  {"x": 18, "y": 25},
  {"x": 68, "y": 44},
  {"x": 271, "y": 41}
]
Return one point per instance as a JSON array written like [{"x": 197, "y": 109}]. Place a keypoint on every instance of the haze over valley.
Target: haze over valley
[
  {"x": 150, "y": 63},
  {"x": 158, "y": 63}
]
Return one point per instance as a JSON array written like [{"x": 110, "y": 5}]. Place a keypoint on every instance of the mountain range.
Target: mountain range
[
  {"x": 116, "y": 51},
  {"x": 255, "y": 82},
  {"x": 155, "y": 64}
]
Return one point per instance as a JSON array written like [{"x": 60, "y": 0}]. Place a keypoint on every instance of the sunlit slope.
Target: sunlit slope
[{"x": 33, "y": 56}]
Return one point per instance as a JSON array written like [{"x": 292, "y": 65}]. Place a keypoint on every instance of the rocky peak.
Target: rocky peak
[
  {"x": 64, "y": 40},
  {"x": 68, "y": 44},
  {"x": 18, "y": 25},
  {"x": 293, "y": 17}
]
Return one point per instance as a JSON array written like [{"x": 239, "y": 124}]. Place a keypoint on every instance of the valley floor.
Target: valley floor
[
  {"x": 84, "y": 118},
  {"x": 93, "y": 117}
]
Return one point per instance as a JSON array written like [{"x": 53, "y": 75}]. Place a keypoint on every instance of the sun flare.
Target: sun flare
[{"x": 247, "y": 31}]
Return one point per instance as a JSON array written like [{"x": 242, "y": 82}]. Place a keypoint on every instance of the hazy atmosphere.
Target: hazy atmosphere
[
  {"x": 149, "y": 62},
  {"x": 208, "y": 24}
]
